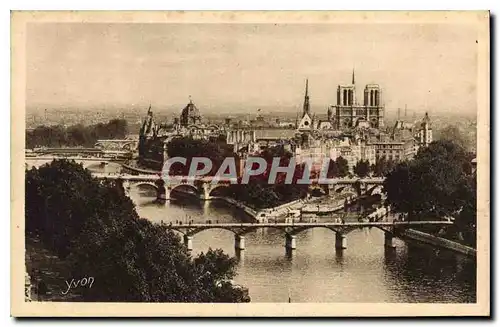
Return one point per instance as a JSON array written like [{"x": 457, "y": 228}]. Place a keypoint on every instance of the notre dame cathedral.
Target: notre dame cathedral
[{"x": 348, "y": 112}]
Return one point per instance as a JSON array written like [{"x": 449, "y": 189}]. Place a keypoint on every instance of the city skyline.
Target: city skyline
[
  {"x": 343, "y": 168},
  {"x": 241, "y": 67}
]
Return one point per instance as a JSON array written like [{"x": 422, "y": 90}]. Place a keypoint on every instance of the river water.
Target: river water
[{"x": 365, "y": 272}]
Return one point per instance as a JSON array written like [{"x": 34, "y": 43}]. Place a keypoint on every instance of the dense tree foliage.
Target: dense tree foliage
[
  {"x": 437, "y": 183},
  {"x": 332, "y": 169},
  {"x": 362, "y": 168},
  {"x": 187, "y": 147},
  {"x": 342, "y": 167},
  {"x": 75, "y": 135},
  {"x": 467, "y": 219},
  {"x": 259, "y": 193},
  {"x": 453, "y": 133},
  {"x": 95, "y": 227},
  {"x": 382, "y": 166},
  {"x": 338, "y": 168}
]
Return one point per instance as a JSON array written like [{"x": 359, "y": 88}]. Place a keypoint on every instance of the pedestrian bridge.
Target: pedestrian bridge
[{"x": 290, "y": 230}]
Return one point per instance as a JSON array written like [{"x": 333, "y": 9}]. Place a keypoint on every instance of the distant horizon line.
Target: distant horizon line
[{"x": 256, "y": 109}]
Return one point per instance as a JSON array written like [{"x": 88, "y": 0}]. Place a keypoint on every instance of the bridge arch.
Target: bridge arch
[
  {"x": 145, "y": 183},
  {"x": 218, "y": 187},
  {"x": 200, "y": 230},
  {"x": 300, "y": 230},
  {"x": 289, "y": 230},
  {"x": 235, "y": 229},
  {"x": 184, "y": 188}
]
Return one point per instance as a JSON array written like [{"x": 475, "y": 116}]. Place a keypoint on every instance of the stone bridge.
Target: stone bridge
[
  {"x": 125, "y": 144},
  {"x": 201, "y": 187},
  {"x": 204, "y": 187},
  {"x": 85, "y": 161},
  {"x": 391, "y": 230}
]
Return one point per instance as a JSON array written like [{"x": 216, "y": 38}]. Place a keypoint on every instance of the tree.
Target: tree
[
  {"x": 138, "y": 261},
  {"x": 333, "y": 170},
  {"x": 59, "y": 199},
  {"x": 466, "y": 220},
  {"x": 259, "y": 194},
  {"x": 94, "y": 226},
  {"x": 382, "y": 166},
  {"x": 187, "y": 147},
  {"x": 362, "y": 168},
  {"x": 342, "y": 167},
  {"x": 379, "y": 167},
  {"x": 432, "y": 185},
  {"x": 388, "y": 167},
  {"x": 397, "y": 186},
  {"x": 453, "y": 133},
  {"x": 75, "y": 135}
]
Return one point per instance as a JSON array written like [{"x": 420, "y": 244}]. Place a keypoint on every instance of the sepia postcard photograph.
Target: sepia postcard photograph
[{"x": 190, "y": 164}]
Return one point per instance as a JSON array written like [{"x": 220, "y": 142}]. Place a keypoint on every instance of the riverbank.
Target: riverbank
[
  {"x": 293, "y": 209},
  {"x": 264, "y": 215},
  {"x": 133, "y": 169},
  {"x": 438, "y": 242}
]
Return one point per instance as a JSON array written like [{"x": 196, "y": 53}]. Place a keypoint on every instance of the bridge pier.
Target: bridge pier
[
  {"x": 290, "y": 242},
  {"x": 389, "y": 240},
  {"x": 340, "y": 241},
  {"x": 240, "y": 255},
  {"x": 126, "y": 187},
  {"x": 204, "y": 197},
  {"x": 161, "y": 195},
  {"x": 239, "y": 242},
  {"x": 188, "y": 242},
  {"x": 205, "y": 192}
]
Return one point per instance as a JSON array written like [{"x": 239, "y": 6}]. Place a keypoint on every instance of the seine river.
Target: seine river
[{"x": 364, "y": 272}]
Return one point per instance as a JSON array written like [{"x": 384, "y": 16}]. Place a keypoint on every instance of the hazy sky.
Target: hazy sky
[{"x": 239, "y": 68}]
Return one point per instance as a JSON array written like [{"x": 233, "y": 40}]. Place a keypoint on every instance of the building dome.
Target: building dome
[{"x": 190, "y": 115}]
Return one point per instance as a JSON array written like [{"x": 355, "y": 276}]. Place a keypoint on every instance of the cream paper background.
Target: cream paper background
[{"x": 19, "y": 308}]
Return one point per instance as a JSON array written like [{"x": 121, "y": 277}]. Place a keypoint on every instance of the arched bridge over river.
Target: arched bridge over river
[
  {"x": 203, "y": 187},
  {"x": 341, "y": 230}
]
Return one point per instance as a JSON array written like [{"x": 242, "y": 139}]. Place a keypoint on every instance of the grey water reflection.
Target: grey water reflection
[{"x": 365, "y": 272}]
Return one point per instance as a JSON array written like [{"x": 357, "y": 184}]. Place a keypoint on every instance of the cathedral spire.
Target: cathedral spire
[
  {"x": 306, "y": 109},
  {"x": 353, "y": 77}
]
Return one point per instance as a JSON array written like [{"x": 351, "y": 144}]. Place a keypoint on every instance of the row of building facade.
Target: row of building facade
[{"x": 352, "y": 130}]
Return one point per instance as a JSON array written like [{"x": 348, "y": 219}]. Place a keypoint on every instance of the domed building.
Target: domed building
[{"x": 190, "y": 115}]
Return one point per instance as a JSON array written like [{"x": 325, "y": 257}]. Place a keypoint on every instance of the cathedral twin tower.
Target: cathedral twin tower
[{"x": 348, "y": 113}]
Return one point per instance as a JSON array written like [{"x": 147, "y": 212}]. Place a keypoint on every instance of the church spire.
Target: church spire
[
  {"x": 306, "y": 109},
  {"x": 353, "y": 77}
]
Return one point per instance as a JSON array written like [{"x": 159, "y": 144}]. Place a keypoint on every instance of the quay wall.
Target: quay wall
[
  {"x": 438, "y": 242},
  {"x": 263, "y": 214},
  {"x": 132, "y": 169},
  {"x": 249, "y": 211}
]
